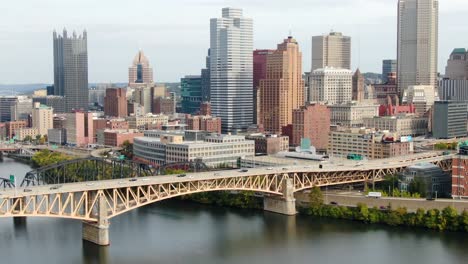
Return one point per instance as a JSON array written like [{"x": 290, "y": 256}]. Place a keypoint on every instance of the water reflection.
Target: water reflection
[{"x": 177, "y": 231}]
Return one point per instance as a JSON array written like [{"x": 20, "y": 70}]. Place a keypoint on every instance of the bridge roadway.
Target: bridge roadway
[{"x": 98, "y": 201}]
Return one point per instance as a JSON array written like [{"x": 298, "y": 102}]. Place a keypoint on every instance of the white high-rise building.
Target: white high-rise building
[
  {"x": 231, "y": 69},
  {"x": 331, "y": 85},
  {"x": 422, "y": 96},
  {"x": 332, "y": 50},
  {"x": 418, "y": 22}
]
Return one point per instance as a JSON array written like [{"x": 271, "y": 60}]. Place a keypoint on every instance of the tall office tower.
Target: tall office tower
[
  {"x": 231, "y": 69},
  {"x": 22, "y": 108},
  {"x": 388, "y": 66},
  {"x": 6, "y": 103},
  {"x": 191, "y": 93},
  {"x": 140, "y": 73},
  {"x": 331, "y": 85},
  {"x": 418, "y": 22},
  {"x": 42, "y": 118},
  {"x": 358, "y": 86},
  {"x": 144, "y": 96},
  {"x": 71, "y": 69},
  {"x": 457, "y": 65},
  {"x": 282, "y": 90},
  {"x": 205, "y": 80},
  {"x": 115, "y": 102},
  {"x": 259, "y": 72},
  {"x": 332, "y": 50}
]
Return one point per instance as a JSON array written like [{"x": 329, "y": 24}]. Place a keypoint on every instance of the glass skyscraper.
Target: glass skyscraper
[
  {"x": 71, "y": 70},
  {"x": 231, "y": 69}
]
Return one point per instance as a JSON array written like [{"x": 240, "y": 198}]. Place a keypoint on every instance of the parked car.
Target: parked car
[
  {"x": 181, "y": 175},
  {"x": 133, "y": 179},
  {"x": 334, "y": 203}
]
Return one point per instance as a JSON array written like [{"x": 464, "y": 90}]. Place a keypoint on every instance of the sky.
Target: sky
[{"x": 175, "y": 34}]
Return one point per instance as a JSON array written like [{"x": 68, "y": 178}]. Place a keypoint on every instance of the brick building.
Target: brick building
[
  {"x": 312, "y": 122},
  {"x": 116, "y": 138},
  {"x": 269, "y": 144},
  {"x": 205, "y": 123}
]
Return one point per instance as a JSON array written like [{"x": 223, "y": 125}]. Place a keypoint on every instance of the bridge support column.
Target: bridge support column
[
  {"x": 285, "y": 204},
  {"x": 98, "y": 232}
]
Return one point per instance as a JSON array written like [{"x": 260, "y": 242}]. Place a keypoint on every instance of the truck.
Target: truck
[{"x": 374, "y": 195}]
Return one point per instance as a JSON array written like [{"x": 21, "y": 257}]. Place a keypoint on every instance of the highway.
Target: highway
[{"x": 402, "y": 161}]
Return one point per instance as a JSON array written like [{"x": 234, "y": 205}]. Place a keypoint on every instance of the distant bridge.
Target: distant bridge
[{"x": 97, "y": 202}]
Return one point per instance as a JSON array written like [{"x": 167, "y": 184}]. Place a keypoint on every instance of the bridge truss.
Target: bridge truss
[{"x": 109, "y": 201}]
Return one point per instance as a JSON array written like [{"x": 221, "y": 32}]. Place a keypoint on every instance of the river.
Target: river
[{"x": 183, "y": 232}]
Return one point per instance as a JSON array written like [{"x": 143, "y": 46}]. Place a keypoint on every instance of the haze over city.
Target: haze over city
[{"x": 175, "y": 34}]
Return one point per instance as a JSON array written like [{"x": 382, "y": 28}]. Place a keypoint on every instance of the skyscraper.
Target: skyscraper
[
  {"x": 282, "y": 90},
  {"x": 457, "y": 65},
  {"x": 205, "y": 80},
  {"x": 388, "y": 66},
  {"x": 418, "y": 22},
  {"x": 332, "y": 50},
  {"x": 140, "y": 73},
  {"x": 71, "y": 69},
  {"x": 231, "y": 73},
  {"x": 191, "y": 93},
  {"x": 331, "y": 85},
  {"x": 259, "y": 72},
  {"x": 115, "y": 102}
]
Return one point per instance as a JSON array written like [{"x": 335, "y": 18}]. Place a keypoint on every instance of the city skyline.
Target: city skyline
[{"x": 375, "y": 34}]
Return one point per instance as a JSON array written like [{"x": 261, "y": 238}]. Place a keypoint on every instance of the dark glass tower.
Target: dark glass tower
[{"x": 71, "y": 70}]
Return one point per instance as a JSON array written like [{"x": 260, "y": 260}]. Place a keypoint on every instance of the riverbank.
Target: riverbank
[{"x": 446, "y": 219}]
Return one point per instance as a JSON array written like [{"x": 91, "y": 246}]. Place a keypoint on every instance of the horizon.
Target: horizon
[{"x": 176, "y": 41}]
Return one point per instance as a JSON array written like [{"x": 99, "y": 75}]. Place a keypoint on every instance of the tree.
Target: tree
[
  {"x": 127, "y": 149},
  {"x": 316, "y": 198},
  {"x": 464, "y": 221},
  {"x": 418, "y": 185},
  {"x": 27, "y": 138},
  {"x": 451, "y": 218}
]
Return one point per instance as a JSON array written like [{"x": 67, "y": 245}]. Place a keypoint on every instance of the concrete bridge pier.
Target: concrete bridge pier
[
  {"x": 285, "y": 204},
  {"x": 98, "y": 232}
]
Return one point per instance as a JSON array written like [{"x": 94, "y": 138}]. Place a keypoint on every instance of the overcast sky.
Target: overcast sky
[{"x": 175, "y": 33}]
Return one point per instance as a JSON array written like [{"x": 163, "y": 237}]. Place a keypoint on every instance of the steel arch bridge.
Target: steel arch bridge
[
  {"x": 79, "y": 201},
  {"x": 94, "y": 169}
]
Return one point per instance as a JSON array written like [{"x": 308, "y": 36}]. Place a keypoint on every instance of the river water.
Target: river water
[{"x": 183, "y": 232}]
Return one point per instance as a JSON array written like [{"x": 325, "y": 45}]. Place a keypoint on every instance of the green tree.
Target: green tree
[
  {"x": 464, "y": 221},
  {"x": 27, "y": 138},
  {"x": 431, "y": 218},
  {"x": 418, "y": 185},
  {"x": 127, "y": 149},
  {"x": 362, "y": 213},
  {"x": 451, "y": 218},
  {"x": 316, "y": 197}
]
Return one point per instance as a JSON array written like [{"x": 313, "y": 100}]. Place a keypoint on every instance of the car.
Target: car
[
  {"x": 216, "y": 174},
  {"x": 121, "y": 182},
  {"x": 430, "y": 199},
  {"x": 285, "y": 169},
  {"x": 269, "y": 168},
  {"x": 244, "y": 170},
  {"x": 145, "y": 179},
  {"x": 133, "y": 179},
  {"x": 90, "y": 184},
  {"x": 181, "y": 175},
  {"x": 27, "y": 190},
  {"x": 383, "y": 207},
  {"x": 55, "y": 187},
  {"x": 190, "y": 177},
  {"x": 334, "y": 203},
  {"x": 307, "y": 167}
]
